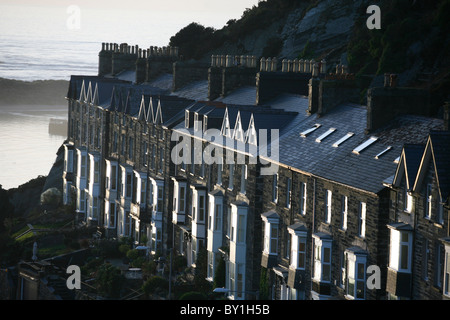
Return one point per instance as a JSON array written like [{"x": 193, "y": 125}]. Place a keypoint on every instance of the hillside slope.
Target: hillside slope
[{"x": 414, "y": 39}]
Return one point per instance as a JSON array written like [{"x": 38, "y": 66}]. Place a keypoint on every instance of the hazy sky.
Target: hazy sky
[
  {"x": 116, "y": 20},
  {"x": 234, "y": 7}
]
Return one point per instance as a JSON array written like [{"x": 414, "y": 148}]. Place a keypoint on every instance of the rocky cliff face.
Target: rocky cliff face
[
  {"x": 414, "y": 39},
  {"x": 323, "y": 30}
]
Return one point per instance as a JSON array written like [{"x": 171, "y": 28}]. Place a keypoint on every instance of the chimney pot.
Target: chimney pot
[
  {"x": 387, "y": 80},
  {"x": 315, "y": 71},
  {"x": 284, "y": 65},
  {"x": 323, "y": 66},
  {"x": 393, "y": 80},
  {"x": 274, "y": 64},
  {"x": 262, "y": 66},
  {"x": 269, "y": 64}
]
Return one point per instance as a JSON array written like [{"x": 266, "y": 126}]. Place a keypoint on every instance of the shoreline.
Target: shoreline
[{"x": 36, "y": 92}]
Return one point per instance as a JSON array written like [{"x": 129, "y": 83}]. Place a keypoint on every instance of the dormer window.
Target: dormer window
[
  {"x": 326, "y": 134},
  {"x": 252, "y": 137},
  {"x": 196, "y": 122},
  {"x": 310, "y": 130},
  {"x": 400, "y": 255},
  {"x": 226, "y": 129},
  {"x": 238, "y": 132},
  {"x": 364, "y": 145},
  {"x": 343, "y": 139},
  {"x": 186, "y": 118}
]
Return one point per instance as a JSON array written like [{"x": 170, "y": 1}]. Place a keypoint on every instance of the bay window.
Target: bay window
[
  {"x": 322, "y": 258},
  {"x": 298, "y": 234},
  {"x": 271, "y": 224},
  {"x": 355, "y": 273},
  {"x": 400, "y": 255}
]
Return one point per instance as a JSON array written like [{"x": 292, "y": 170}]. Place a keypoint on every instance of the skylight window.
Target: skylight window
[
  {"x": 308, "y": 131},
  {"x": 383, "y": 152},
  {"x": 326, "y": 134},
  {"x": 364, "y": 145},
  {"x": 343, "y": 139}
]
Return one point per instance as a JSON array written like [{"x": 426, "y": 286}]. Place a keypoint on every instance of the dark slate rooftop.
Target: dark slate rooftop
[
  {"x": 104, "y": 87},
  {"x": 440, "y": 143},
  {"x": 411, "y": 157},
  {"x": 242, "y": 95},
  {"x": 196, "y": 90},
  {"x": 172, "y": 108},
  {"x": 264, "y": 118},
  {"x": 342, "y": 164},
  {"x": 163, "y": 81}
]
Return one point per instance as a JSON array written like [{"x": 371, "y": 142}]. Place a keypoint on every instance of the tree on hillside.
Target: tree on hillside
[
  {"x": 6, "y": 208},
  {"x": 193, "y": 40}
]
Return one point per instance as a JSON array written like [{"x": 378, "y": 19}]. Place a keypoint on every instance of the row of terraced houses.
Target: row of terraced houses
[{"x": 273, "y": 167}]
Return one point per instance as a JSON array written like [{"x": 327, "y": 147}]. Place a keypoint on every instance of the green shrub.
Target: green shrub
[
  {"x": 155, "y": 285},
  {"x": 132, "y": 254},
  {"x": 109, "y": 281}
]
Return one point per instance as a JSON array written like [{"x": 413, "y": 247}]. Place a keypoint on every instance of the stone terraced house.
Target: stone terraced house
[{"x": 279, "y": 174}]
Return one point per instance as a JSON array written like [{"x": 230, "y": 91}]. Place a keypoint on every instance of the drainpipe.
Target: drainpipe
[
  {"x": 312, "y": 232},
  {"x": 413, "y": 249}
]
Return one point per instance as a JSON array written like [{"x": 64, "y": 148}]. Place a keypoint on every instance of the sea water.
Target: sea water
[
  {"x": 36, "y": 43},
  {"x": 41, "y": 42}
]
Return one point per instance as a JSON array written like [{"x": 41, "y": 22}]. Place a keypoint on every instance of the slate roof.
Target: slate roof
[
  {"x": 440, "y": 141},
  {"x": 341, "y": 164},
  {"x": 172, "y": 108},
  {"x": 196, "y": 90},
  {"x": 163, "y": 81},
  {"x": 410, "y": 160},
  {"x": 245, "y": 95},
  {"x": 105, "y": 86}
]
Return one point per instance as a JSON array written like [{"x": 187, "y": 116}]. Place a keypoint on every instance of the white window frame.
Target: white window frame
[
  {"x": 344, "y": 212},
  {"x": 328, "y": 205},
  {"x": 408, "y": 201},
  {"x": 352, "y": 274},
  {"x": 397, "y": 244},
  {"x": 362, "y": 215},
  {"x": 297, "y": 253},
  {"x": 288, "y": 192},
  {"x": 446, "y": 282},
  {"x": 429, "y": 201},
  {"x": 275, "y": 188},
  {"x": 303, "y": 195},
  {"x": 322, "y": 260},
  {"x": 270, "y": 243},
  {"x": 244, "y": 178}
]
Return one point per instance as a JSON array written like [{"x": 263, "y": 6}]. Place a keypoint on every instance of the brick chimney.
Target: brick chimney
[
  {"x": 385, "y": 103},
  {"x": 160, "y": 60},
  {"x": 330, "y": 90},
  {"x": 123, "y": 59},
  {"x": 188, "y": 71},
  {"x": 105, "y": 59},
  {"x": 229, "y": 72},
  {"x": 294, "y": 77}
]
